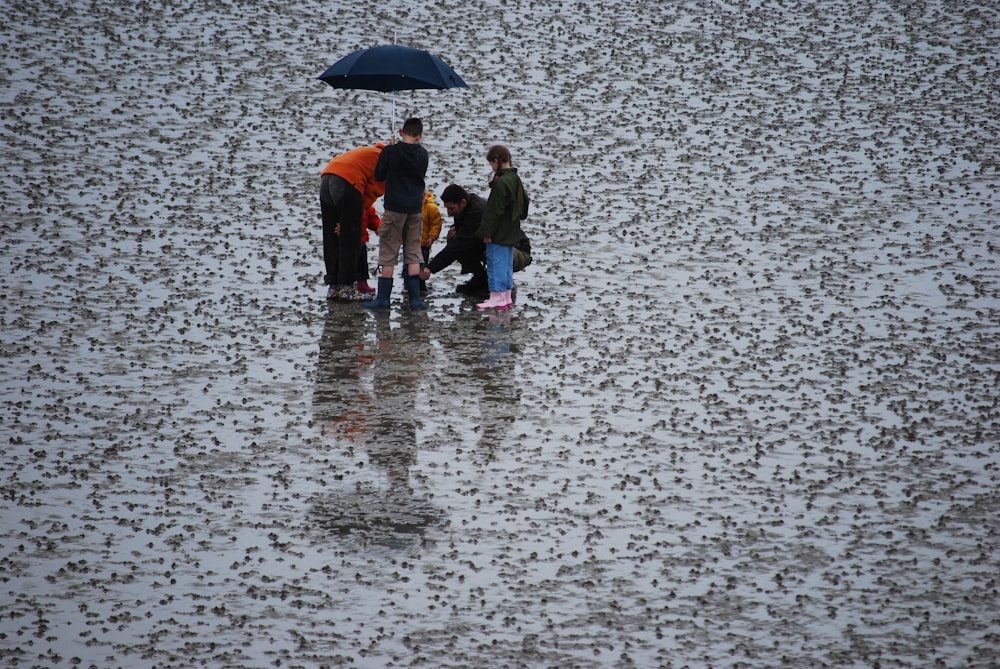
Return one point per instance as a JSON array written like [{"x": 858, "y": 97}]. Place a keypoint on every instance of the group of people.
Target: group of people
[{"x": 485, "y": 237}]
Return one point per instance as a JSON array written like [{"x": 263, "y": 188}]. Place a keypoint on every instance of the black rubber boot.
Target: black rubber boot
[
  {"x": 474, "y": 286},
  {"x": 413, "y": 288},
  {"x": 381, "y": 300}
]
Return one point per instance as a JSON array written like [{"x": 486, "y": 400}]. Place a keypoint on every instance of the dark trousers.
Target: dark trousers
[
  {"x": 467, "y": 252},
  {"x": 340, "y": 204},
  {"x": 363, "y": 268}
]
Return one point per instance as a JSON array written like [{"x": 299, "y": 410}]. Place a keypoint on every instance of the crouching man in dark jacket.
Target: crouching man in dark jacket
[{"x": 463, "y": 246}]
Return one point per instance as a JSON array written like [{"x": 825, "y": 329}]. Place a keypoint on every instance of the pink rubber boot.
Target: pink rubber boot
[{"x": 496, "y": 301}]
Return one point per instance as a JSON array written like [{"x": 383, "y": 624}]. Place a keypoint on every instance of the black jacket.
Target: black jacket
[
  {"x": 403, "y": 167},
  {"x": 464, "y": 246},
  {"x": 467, "y": 222}
]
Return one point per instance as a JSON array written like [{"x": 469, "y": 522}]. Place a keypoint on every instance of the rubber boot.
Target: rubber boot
[
  {"x": 381, "y": 300},
  {"x": 496, "y": 301},
  {"x": 413, "y": 288},
  {"x": 508, "y": 301},
  {"x": 363, "y": 287}
]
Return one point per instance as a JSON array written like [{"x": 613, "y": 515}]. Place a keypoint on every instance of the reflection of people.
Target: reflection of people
[
  {"x": 500, "y": 228},
  {"x": 501, "y": 392},
  {"x": 342, "y": 404},
  {"x": 347, "y": 189},
  {"x": 367, "y": 391},
  {"x": 371, "y": 223},
  {"x": 365, "y": 396},
  {"x": 480, "y": 397},
  {"x": 403, "y": 167},
  {"x": 396, "y": 377}
]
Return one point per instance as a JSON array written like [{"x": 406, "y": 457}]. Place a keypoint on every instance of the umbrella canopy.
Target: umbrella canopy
[{"x": 391, "y": 68}]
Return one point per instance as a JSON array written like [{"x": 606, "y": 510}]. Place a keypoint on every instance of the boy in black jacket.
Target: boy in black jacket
[{"x": 403, "y": 167}]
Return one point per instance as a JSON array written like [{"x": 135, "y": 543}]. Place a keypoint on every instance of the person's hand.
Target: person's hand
[
  {"x": 425, "y": 274},
  {"x": 336, "y": 229},
  {"x": 487, "y": 240},
  {"x": 451, "y": 233}
]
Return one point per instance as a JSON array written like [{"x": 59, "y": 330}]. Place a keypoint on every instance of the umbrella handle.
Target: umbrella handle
[{"x": 392, "y": 130}]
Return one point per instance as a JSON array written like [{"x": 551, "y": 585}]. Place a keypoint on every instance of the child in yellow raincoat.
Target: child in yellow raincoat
[{"x": 431, "y": 230}]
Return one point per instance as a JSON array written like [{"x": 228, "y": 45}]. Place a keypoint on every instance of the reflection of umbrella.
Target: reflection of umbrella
[
  {"x": 390, "y": 517},
  {"x": 391, "y": 68}
]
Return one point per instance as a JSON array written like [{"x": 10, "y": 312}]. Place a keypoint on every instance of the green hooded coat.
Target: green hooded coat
[{"x": 506, "y": 207}]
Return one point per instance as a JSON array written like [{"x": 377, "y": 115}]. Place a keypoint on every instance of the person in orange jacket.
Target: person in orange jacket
[
  {"x": 348, "y": 189},
  {"x": 371, "y": 222}
]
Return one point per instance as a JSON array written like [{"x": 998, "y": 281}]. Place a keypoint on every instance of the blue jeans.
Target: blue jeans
[{"x": 500, "y": 267}]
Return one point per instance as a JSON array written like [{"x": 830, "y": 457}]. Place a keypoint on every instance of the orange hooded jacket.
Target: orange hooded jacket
[{"x": 357, "y": 167}]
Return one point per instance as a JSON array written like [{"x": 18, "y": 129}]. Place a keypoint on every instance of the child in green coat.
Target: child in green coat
[{"x": 500, "y": 228}]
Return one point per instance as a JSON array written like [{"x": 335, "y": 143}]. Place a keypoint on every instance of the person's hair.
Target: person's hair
[
  {"x": 413, "y": 127},
  {"x": 454, "y": 193},
  {"x": 498, "y": 152}
]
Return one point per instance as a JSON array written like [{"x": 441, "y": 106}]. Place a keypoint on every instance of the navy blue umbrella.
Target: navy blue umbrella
[{"x": 391, "y": 68}]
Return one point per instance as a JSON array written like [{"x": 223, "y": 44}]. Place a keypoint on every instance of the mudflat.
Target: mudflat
[{"x": 743, "y": 412}]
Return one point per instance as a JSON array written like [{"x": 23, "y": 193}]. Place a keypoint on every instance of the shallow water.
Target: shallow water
[{"x": 743, "y": 414}]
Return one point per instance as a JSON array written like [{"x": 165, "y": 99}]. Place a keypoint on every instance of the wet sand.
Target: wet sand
[{"x": 743, "y": 414}]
